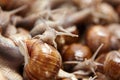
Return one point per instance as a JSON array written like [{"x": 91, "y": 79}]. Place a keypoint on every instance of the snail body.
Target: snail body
[
  {"x": 10, "y": 53},
  {"x": 5, "y": 16}
]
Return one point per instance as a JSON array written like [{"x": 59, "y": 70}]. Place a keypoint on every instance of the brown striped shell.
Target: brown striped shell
[{"x": 44, "y": 63}]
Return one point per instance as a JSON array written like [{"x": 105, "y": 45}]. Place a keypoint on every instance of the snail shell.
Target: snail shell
[
  {"x": 112, "y": 65},
  {"x": 96, "y": 35},
  {"x": 44, "y": 62},
  {"x": 76, "y": 51}
]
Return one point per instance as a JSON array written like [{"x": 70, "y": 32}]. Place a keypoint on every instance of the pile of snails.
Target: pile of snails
[{"x": 59, "y": 39}]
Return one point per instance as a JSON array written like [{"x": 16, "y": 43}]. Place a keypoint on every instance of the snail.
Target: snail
[
  {"x": 96, "y": 35},
  {"x": 104, "y": 13},
  {"x": 5, "y": 16},
  {"x": 111, "y": 65},
  {"x": 49, "y": 34},
  {"x": 101, "y": 12},
  {"x": 88, "y": 64},
  {"x": 45, "y": 58},
  {"x": 38, "y": 51},
  {"x": 76, "y": 51},
  {"x": 10, "y": 52},
  {"x": 41, "y": 29},
  {"x": 10, "y": 58}
]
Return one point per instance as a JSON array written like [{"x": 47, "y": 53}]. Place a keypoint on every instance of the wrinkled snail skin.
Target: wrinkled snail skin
[
  {"x": 112, "y": 65},
  {"x": 46, "y": 60}
]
